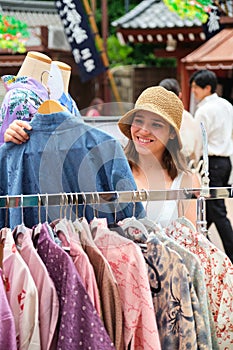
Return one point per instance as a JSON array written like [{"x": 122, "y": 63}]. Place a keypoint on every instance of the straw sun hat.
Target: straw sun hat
[{"x": 158, "y": 100}]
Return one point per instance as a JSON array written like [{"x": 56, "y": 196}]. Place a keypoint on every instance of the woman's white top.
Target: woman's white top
[{"x": 164, "y": 212}]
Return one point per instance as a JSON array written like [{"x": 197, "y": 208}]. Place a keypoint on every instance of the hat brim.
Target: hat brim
[{"x": 125, "y": 122}]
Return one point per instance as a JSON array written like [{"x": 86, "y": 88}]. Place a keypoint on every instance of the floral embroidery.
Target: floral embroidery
[
  {"x": 21, "y": 298},
  {"x": 218, "y": 271}
]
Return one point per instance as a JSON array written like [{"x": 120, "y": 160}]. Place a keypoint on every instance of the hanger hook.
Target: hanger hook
[
  {"x": 39, "y": 207},
  {"x": 21, "y": 205},
  {"x": 94, "y": 201},
  {"x": 85, "y": 203},
  {"x": 71, "y": 206},
  {"x": 117, "y": 203},
  {"x": 47, "y": 207},
  {"x": 66, "y": 204},
  {"x": 147, "y": 195},
  {"x": 76, "y": 205},
  {"x": 134, "y": 202},
  {"x": 7, "y": 210},
  {"x": 61, "y": 204},
  {"x": 97, "y": 202},
  {"x": 41, "y": 80}
]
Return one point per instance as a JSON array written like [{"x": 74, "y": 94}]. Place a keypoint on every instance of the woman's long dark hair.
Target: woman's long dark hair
[{"x": 173, "y": 159}]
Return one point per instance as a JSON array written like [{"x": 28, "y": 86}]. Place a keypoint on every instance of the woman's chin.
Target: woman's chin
[{"x": 141, "y": 149}]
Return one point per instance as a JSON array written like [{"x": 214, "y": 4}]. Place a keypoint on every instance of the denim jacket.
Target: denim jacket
[{"x": 65, "y": 155}]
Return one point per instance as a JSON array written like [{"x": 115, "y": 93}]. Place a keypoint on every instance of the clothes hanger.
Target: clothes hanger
[
  {"x": 97, "y": 222},
  {"x": 75, "y": 226},
  {"x": 7, "y": 210},
  {"x": 114, "y": 226},
  {"x": 4, "y": 230},
  {"x": 133, "y": 228},
  {"x": 183, "y": 220},
  {"x": 36, "y": 230},
  {"x": 81, "y": 225},
  {"x": 21, "y": 228},
  {"x": 73, "y": 234},
  {"x": 152, "y": 227},
  {"x": 51, "y": 106},
  {"x": 62, "y": 223},
  {"x": 77, "y": 222}
]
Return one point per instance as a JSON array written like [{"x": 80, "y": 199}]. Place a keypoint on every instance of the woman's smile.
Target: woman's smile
[{"x": 144, "y": 140}]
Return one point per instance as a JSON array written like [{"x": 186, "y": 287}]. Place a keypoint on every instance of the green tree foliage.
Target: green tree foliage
[
  {"x": 13, "y": 34},
  {"x": 190, "y": 9},
  {"x": 130, "y": 54},
  {"x": 118, "y": 53},
  {"x": 116, "y": 9}
]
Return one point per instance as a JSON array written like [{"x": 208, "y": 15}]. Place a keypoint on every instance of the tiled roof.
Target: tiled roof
[
  {"x": 216, "y": 53},
  {"x": 152, "y": 21},
  {"x": 33, "y": 13},
  {"x": 152, "y": 14}
]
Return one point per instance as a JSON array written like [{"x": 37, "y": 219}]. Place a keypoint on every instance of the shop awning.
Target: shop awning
[{"x": 216, "y": 53}]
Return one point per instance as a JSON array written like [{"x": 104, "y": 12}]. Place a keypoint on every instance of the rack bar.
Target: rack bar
[{"x": 60, "y": 199}]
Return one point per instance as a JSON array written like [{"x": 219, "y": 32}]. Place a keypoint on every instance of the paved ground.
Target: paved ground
[{"x": 213, "y": 234}]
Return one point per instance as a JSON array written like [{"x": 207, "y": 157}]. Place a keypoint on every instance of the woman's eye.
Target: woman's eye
[
  {"x": 137, "y": 121},
  {"x": 157, "y": 125}
]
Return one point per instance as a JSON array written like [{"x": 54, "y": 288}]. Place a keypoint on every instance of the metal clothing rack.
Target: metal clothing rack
[
  {"x": 61, "y": 199},
  {"x": 95, "y": 198}
]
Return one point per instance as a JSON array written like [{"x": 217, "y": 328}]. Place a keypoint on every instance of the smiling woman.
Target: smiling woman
[
  {"x": 150, "y": 133},
  {"x": 154, "y": 151}
]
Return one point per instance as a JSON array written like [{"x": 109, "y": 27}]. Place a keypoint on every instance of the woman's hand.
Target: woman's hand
[{"x": 15, "y": 132}]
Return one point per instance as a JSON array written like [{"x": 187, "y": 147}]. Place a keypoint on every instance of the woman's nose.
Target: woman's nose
[{"x": 144, "y": 129}]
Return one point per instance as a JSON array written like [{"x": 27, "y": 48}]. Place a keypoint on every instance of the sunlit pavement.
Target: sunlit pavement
[{"x": 213, "y": 233}]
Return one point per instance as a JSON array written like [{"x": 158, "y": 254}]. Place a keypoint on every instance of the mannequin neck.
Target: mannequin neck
[
  {"x": 66, "y": 79},
  {"x": 65, "y": 70}
]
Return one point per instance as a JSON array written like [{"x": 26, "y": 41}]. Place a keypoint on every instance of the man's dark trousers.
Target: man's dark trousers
[{"x": 219, "y": 173}]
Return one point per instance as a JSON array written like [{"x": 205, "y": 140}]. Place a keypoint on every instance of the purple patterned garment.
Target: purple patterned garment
[
  {"x": 79, "y": 324},
  {"x": 24, "y": 96}
]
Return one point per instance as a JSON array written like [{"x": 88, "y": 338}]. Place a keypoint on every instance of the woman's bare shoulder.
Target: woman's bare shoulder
[{"x": 190, "y": 180}]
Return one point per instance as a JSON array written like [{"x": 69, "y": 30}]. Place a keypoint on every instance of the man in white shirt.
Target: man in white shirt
[{"x": 216, "y": 113}]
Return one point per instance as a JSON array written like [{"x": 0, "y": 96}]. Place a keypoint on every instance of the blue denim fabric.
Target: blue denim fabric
[
  {"x": 67, "y": 101},
  {"x": 65, "y": 155}
]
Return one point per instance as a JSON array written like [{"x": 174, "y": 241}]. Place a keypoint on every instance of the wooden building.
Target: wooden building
[
  {"x": 186, "y": 40},
  {"x": 217, "y": 55}
]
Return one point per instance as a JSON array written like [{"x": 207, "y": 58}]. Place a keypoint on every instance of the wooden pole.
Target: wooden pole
[
  {"x": 185, "y": 85},
  {"x": 104, "y": 34},
  {"x": 93, "y": 5},
  {"x": 102, "y": 49}
]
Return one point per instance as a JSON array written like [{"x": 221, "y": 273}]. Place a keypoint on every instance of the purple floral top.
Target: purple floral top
[{"x": 24, "y": 96}]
